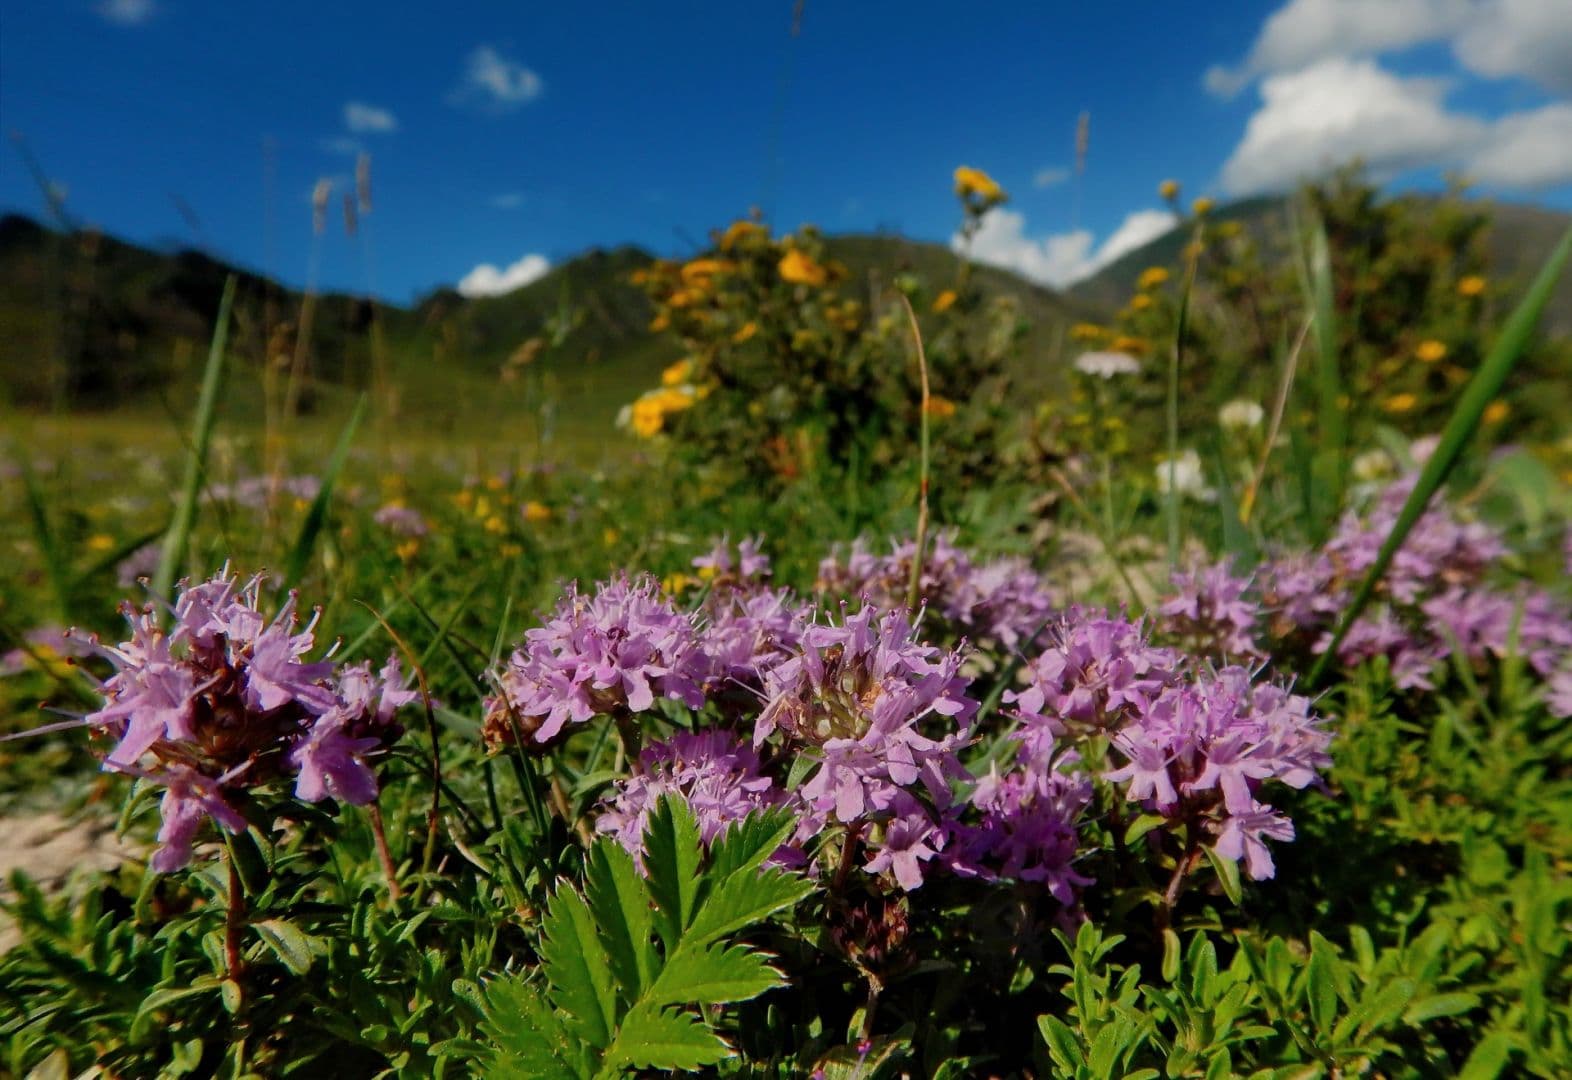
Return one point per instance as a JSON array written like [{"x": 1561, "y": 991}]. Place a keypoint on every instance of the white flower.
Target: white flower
[
  {"x": 1240, "y": 414},
  {"x": 1186, "y": 474},
  {"x": 1373, "y": 465},
  {"x": 1105, "y": 365}
]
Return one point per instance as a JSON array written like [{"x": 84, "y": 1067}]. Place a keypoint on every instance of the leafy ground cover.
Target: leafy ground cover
[{"x": 853, "y": 721}]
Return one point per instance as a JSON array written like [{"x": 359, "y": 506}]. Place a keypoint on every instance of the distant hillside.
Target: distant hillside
[
  {"x": 87, "y": 320},
  {"x": 1519, "y": 241}
]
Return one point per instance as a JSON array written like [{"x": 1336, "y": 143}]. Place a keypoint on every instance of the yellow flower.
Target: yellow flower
[
  {"x": 536, "y": 512},
  {"x": 495, "y": 483},
  {"x": 746, "y": 331},
  {"x": 1497, "y": 411},
  {"x": 1151, "y": 278},
  {"x": 496, "y": 525},
  {"x": 1431, "y": 351},
  {"x": 738, "y": 231},
  {"x": 1194, "y": 250},
  {"x": 1400, "y": 403},
  {"x": 973, "y": 183},
  {"x": 944, "y": 301},
  {"x": 1168, "y": 189},
  {"x": 798, "y": 268},
  {"x": 940, "y": 407},
  {"x": 660, "y": 322},
  {"x": 100, "y": 542},
  {"x": 408, "y": 549},
  {"x": 1130, "y": 344},
  {"x": 683, "y": 298},
  {"x": 675, "y": 582},
  {"x": 699, "y": 271},
  {"x": 610, "y": 537},
  {"x": 510, "y": 550},
  {"x": 677, "y": 373},
  {"x": 1202, "y": 206},
  {"x": 1085, "y": 331},
  {"x": 1140, "y": 302},
  {"x": 647, "y": 417},
  {"x": 464, "y": 499},
  {"x": 1472, "y": 285}
]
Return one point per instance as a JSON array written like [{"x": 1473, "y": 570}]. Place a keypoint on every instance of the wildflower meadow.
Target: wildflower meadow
[{"x": 885, "y": 685}]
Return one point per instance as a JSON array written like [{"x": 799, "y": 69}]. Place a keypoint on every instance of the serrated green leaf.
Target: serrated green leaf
[
  {"x": 747, "y": 843},
  {"x": 288, "y": 943},
  {"x": 745, "y": 898},
  {"x": 669, "y": 1039},
  {"x": 621, "y": 906},
  {"x": 577, "y": 969},
  {"x": 530, "y": 1040},
  {"x": 713, "y": 975},
  {"x": 671, "y": 858}
]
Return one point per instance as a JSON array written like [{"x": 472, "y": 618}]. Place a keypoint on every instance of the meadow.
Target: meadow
[{"x": 848, "y": 670}]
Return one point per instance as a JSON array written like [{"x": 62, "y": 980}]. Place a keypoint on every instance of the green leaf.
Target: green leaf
[
  {"x": 1321, "y": 985},
  {"x": 713, "y": 975},
  {"x": 745, "y": 898},
  {"x": 621, "y": 906},
  {"x": 316, "y": 516},
  {"x": 1227, "y": 875},
  {"x": 1439, "y": 1005},
  {"x": 671, "y": 857},
  {"x": 577, "y": 969},
  {"x": 745, "y": 844},
  {"x": 288, "y": 943},
  {"x": 668, "y": 1039},
  {"x": 173, "y": 554},
  {"x": 1488, "y": 1059},
  {"x": 530, "y": 1040},
  {"x": 1170, "y": 954},
  {"x": 1484, "y": 387},
  {"x": 1141, "y": 826},
  {"x": 1062, "y": 1043}
]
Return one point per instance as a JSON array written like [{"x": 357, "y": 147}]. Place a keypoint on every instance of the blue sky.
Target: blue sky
[{"x": 500, "y": 132}]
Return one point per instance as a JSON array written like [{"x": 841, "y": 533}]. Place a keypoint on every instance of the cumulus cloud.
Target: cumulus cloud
[
  {"x": 1048, "y": 177},
  {"x": 487, "y": 280},
  {"x": 1340, "y": 110},
  {"x": 1530, "y": 39},
  {"x": 341, "y": 144},
  {"x": 127, "y": 12},
  {"x": 360, "y": 117},
  {"x": 1059, "y": 259},
  {"x": 495, "y": 82}
]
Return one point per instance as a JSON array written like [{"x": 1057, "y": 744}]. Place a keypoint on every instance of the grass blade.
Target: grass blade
[
  {"x": 316, "y": 516},
  {"x": 44, "y": 535},
  {"x": 1171, "y": 503},
  {"x": 173, "y": 555},
  {"x": 1460, "y": 427}
]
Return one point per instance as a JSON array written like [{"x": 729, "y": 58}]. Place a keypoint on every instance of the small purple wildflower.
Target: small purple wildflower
[
  {"x": 1210, "y": 615},
  {"x": 401, "y": 520},
  {"x": 609, "y": 653}
]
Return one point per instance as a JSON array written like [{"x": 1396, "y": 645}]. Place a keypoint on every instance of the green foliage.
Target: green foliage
[{"x": 608, "y": 999}]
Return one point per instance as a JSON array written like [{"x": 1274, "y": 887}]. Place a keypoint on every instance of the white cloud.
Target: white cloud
[
  {"x": 1304, "y": 32},
  {"x": 495, "y": 82},
  {"x": 508, "y": 200},
  {"x": 1059, "y": 259},
  {"x": 1048, "y": 177},
  {"x": 1496, "y": 39},
  {"x": 1531, "y": 149},
  {"x": 487, "y": 280},
  {"x": 1531, "y": 38},
  {"x": 127, "y": 12},
  {"x": 1335, "y": 111},
  {"x": 360, "y": 117},
  {"x": 1339, "y": 110}
]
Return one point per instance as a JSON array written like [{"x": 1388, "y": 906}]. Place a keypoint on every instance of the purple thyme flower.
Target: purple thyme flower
[
  {"x": 745, "y": 633},
  {"x": 1096, "y": 671},
  {"x": 1028, "y": 827},
  {"x": 227, "y": 701},
  {"x": 750, "y": 567},
  {"x": 1209, "y": 614},
  {"x": 401, "y": 520},
  {"x": 1203, "y": 749},
  {"x": 714, "y": 771},
  {"x": 1003, "y": 602},
  {"x": 611, "y": 652}
]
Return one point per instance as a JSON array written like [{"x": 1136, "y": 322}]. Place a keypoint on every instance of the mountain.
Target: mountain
[{"x": 1518, "y": 241}]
